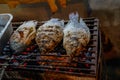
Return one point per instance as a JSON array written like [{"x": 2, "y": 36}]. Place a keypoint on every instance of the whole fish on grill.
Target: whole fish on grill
[
  {"x": 23, "y": 36},
  {"x": 76, "y": 35},
  {"x": 49, "y": 35}
]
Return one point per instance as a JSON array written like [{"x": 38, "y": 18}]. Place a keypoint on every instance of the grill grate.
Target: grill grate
[{"x": 85, "y": 64}]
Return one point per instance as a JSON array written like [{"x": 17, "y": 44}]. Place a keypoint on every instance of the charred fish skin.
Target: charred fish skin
[
  {"x": 49, "y": 35},
  {"x": 23, "y": 36},
  {"x": 76, "y": 35}
]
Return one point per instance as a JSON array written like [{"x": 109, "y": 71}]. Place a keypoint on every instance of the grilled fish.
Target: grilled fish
[
  {"x": 23, "y": 36},
  {"x": 49, "y": 35},
  {"x": 76, "y": 35}
]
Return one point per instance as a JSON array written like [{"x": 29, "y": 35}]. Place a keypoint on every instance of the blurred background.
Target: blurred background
[{"x": 107, "y": 11}]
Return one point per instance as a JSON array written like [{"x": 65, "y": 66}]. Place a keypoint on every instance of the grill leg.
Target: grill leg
[{"x": 2, "y": 72}]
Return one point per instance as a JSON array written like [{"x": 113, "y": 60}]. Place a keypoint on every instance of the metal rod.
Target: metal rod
[
  {"x": 64, "y": 72},
  {"x": 2, "y": 72}
]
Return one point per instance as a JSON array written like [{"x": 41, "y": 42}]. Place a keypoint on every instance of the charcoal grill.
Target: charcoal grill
[{"x": 84, "y": 65}]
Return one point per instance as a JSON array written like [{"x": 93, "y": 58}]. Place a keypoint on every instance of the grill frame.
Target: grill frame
[{"x": 91, "y": 22}]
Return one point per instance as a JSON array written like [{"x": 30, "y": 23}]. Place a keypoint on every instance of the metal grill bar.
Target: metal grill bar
[
  {"x": 64, "y": 72},
  {"x": 83, "y": 65}
]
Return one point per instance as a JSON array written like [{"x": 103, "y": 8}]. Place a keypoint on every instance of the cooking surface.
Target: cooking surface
[{"x": 85, "y": 64}]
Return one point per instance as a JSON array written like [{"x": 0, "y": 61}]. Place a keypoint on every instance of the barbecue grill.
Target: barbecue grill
[{"x": 21, "y": 65}]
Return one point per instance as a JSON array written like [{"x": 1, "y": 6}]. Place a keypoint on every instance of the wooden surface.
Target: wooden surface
[{"x": 41, "y": 11}]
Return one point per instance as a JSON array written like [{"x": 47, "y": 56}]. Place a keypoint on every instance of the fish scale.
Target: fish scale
[
  {"x": 49, "y": 35},
  {"x": 23, "y": 36},
  {"x": 76, "y": 35}
]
